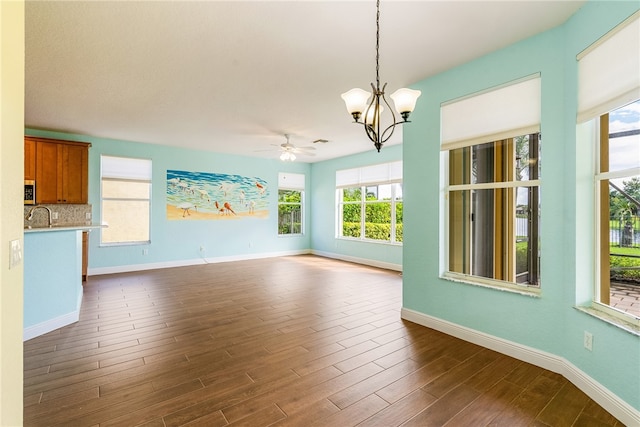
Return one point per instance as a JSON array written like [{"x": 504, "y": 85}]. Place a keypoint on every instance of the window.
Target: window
[
  {"x": 491, "y": 150},
  {"x": 609, "y": 105},
  {"x": 370, "y": 203},
  {"x": 290, "y": 203},
  {"x": 618, "y": 203},
  {"x": 125, "y": 200},
  {"x": 494, "y": 210}
]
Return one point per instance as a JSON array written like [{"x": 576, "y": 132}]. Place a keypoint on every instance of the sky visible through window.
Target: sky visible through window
[{"x": 624, "y": 151}]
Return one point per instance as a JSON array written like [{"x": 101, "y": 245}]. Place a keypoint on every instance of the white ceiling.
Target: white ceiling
[{"x": 234, "y": 76}]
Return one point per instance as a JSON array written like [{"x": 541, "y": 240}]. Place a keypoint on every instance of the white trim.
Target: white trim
[
  {"x": 596, "y": 391},
  {"x": 364, "y": 261},
  {"x": 188, "y": 262},
  {"x": 50, "y": 325}
]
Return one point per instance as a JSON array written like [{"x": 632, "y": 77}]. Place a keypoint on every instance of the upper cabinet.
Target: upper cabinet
[
  {"x": 29, "y": 159},
  {"x": 61, "y": 170}
]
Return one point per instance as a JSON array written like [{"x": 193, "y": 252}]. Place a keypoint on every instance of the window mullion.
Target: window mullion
[
  {"x": 392, "y": 206},
  {"x": 363, "y": 211}
]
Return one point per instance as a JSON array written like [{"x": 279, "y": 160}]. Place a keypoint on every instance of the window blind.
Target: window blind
[
  {"x": 125, "y": 168},
  {"x": 609, "y": 71},
  {"x": 507, "y": 111},
  {"x": 384, "y": 172},
  {"x": 291, "y": 181}
]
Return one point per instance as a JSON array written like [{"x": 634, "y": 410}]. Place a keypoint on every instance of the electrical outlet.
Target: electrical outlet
[
  {"x": 54, "y": 215},
  {"x": 201, "y": 248},
  {"x": 87, "y": 215},
  {"x": 145, "y": 251},
  {"x": 588, "y": 340}
]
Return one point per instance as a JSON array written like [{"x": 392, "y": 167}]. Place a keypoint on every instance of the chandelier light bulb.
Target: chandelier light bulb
[
  {"x": 356, "y": 101},
  {"x": 405, "y": 101},
  {"x": 373, "y": 114}
]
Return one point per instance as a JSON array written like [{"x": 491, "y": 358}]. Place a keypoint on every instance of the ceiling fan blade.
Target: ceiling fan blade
[{"x": 302, "y": 149}]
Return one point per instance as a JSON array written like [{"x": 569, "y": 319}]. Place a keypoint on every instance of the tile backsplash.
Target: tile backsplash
[{"x": 66, "y": 215}]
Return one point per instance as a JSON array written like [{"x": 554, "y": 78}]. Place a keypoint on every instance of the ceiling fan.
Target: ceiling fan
[{"x": 288, "y": 151}]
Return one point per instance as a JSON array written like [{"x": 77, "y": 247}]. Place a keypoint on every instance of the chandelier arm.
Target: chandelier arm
[
  {"x": 383, "y": 137},
  {"x": 371, "y": 133}
]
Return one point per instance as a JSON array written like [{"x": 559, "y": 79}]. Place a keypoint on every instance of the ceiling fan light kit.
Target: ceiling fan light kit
[
  {"x": 358, "y": 104},
  {"x": 288, "y": 150},
  {"x": 287, "y": 156}
]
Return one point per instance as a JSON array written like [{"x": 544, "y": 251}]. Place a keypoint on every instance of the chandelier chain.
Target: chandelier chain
[{"x": 378, "y": 45}]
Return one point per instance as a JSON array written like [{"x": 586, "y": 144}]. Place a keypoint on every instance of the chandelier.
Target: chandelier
[{"x": 357, "y": 102}]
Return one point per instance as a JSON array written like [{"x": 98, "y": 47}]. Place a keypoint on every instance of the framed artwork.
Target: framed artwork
[{"x": 215, "y": 196}]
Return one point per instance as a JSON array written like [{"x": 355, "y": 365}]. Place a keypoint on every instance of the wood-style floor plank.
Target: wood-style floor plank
[{"x": 290, "y": 341}]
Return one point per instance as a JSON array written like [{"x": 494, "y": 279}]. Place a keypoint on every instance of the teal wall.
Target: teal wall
[
  {"x": 52, "y": 278},
  {"x": 550, "y": 322},
  {"x": 175, "y": 241},
  {"x": 323, "y": 210}
]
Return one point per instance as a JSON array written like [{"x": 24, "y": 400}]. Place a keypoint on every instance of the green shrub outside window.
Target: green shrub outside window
[
  {"x": 289, "y": 212},
  {"x": 370, "y": 217}
]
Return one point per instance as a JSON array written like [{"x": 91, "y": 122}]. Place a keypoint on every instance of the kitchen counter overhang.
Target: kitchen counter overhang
[{"x": 64, "y": 227}]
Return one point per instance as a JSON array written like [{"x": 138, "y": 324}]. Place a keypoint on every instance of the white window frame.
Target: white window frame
[
  {"x": 525, "y": 288},
  {"x": 125, "y": 169},
  {"x": 601, "y": 307},
  {"x": 292, "y": 182},
  {"x": 368, "y": 176}
]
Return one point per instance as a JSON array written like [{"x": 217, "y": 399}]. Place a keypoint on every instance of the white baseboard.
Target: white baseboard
[
  {"x": 50, "y": 325},
  {"x": 188, "y": 262},
  {"x": 364, "y": 261},
  {"x": 596, "y": 391}
]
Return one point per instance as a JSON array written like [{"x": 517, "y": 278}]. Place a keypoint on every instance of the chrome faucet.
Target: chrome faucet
[{"x": 30, "y": 213}]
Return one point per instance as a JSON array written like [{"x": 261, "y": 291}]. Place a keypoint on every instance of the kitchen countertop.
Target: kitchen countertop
[{"x": 64, "y": 227}]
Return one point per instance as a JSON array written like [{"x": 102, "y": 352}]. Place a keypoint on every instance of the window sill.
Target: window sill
[
  {"x": 378, "y": 242},
  {"x": 116, "y": 244},
  {"x": 497, "y": 285},
  {"x": 612, "y": 317}
]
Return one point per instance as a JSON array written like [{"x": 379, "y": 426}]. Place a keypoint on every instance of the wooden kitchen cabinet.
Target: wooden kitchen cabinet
[
  {"x": 29, "y": 159},
  {"x": 61, "y": 170},
  {"x": 75, "y": 174}
]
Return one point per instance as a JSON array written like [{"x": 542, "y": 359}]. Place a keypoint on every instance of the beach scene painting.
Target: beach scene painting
[{"x": 215, "y": 196}]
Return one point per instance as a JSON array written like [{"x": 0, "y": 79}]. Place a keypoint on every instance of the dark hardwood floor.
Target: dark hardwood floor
[{"x": 291, "y": 341}]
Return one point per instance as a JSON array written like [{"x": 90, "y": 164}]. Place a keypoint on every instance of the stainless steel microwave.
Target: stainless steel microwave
[{"x": 29, "y": 192}]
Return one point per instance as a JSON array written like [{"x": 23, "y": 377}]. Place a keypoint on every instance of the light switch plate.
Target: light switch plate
[{"x": 15, "y": 253}]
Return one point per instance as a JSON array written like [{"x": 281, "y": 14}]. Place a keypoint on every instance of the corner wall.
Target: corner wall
[
  {"x": 549, "y": 324},
  {"x": 323, "y": 211}
]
